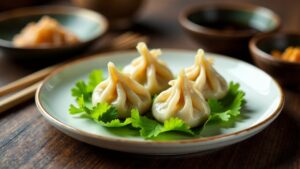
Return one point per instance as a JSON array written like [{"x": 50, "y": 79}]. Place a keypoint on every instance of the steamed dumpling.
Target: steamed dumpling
[
  {"x": 122, "y": 92},
  {"x": 148, "y": 70},
  {"x": 206, "y": 78},
  {"x": 181, "y": 100}
]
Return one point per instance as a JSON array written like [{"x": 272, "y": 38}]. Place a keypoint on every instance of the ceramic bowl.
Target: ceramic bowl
[
  {"x": 227, "y": 28},
  {"x": 287, "y": 73},
  {"x": 87, "y": 25}
]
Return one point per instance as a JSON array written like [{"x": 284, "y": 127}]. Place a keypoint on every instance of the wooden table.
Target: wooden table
[{"x": 28, "y": 141}]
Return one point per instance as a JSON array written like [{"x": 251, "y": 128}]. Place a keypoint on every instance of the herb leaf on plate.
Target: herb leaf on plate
[
  {"x": 95, "y": 78},
  {"x": 151, "y": 128},
  {"x": 228, "y": 107},
  {"x": 85, "y": 89}
]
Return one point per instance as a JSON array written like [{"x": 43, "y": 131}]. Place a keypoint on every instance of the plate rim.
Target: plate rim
[{"x": 71, "y": 129}]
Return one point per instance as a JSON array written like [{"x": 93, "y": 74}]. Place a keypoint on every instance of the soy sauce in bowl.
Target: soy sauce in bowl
[{"x": 227, "y": 28}]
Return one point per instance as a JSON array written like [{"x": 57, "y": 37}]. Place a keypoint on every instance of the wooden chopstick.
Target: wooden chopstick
[
  {"x": 26, "y": 81},
  {"x": 126, "y": 40},
  {"x": 18, "y": 97}
]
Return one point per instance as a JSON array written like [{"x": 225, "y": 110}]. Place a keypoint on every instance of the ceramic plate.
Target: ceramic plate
[{"x": 264, "y": 103}]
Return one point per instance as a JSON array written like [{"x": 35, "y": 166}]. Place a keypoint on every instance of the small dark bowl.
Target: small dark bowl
[
  {"x": 287, "y": 73},
  {"x": 87, "y": 25},
  {"x": 227, "y": 28}
]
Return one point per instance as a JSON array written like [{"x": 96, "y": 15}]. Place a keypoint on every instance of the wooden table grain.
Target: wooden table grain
[{"x": 28, "y": 141}]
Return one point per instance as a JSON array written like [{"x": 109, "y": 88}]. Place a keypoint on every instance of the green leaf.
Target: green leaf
[
  {"x": 104, "y": 112},
  {"x": 228, "y": 107},
  {"x": 224, "y": 116},
  {"x": 116, "y": 123},
  {"x": 98, "y": 111},
  {"x": 176, "y": 124},
  {"x": 75, "y": 110},
  {"x": 94, "y": 79},
  {"x": 80, "y": 89},
  {"x": 215, "y": 105},
  {"x": 151, "y": 128},
  {"x": 110, "y": 114},
  {"x": 85, "y": 90},
  {"x": 80, "y": 101},
  {"x": 148, "y": 127},
  {"x": 85, "y": 116}
]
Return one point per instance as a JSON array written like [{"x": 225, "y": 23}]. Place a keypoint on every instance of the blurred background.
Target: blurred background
[{"x": 159, "y": 18}]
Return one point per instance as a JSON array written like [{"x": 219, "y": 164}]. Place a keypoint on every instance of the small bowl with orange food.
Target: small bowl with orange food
[
  {"x": 279, "y": 55},
  {"x": 49, "y": 32}
]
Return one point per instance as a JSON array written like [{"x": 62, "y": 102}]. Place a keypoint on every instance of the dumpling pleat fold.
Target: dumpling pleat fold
[
  {"x": 206, "y": 78},
  {"x": 181, "y": 100},
  {"x": 122, "y": 92},
  {"x": 148, "y": 70}
]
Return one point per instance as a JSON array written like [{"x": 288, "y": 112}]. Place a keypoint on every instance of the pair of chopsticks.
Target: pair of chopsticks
[{"x": 25, "y": 88}]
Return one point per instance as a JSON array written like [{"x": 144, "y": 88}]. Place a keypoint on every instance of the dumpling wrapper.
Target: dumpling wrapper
[
  {"x": 181, "y": 100},
  {"x": 122, "y": 92},
  {"x": 148, "y": 70},
  {"x": 206, "y": 78}
]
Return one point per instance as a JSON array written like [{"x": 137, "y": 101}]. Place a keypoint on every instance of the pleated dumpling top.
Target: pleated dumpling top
[
  {"x": 122, "y": 92},
  {"x": 181, "y": 100},
  {"x": 148, "y": 70},
  {"x": 206, "y": 78}
]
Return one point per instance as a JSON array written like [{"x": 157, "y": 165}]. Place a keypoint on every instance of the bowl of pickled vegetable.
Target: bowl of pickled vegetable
[{"x": 279, "y": 55}]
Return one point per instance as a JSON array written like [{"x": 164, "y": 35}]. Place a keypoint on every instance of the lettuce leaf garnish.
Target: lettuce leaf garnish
[{"x": 222, "y": 111}]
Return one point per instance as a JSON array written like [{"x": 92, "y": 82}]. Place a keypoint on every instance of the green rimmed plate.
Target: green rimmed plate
[{"x": 264, "y": 103}]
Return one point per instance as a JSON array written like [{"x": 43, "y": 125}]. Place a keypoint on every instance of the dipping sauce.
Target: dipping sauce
[
  {"x": 223, "y": 20},
  {"x": 47, "y": 32},
  {"x": 226, "y": 26},
  {"x": 291, "y": 54}
]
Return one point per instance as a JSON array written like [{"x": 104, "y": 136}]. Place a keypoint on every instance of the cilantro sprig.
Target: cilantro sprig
[
  {"x": 222, "y": 111},
  {"x": 229, "y": 106}
]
